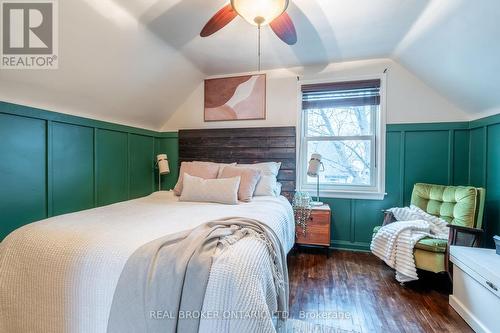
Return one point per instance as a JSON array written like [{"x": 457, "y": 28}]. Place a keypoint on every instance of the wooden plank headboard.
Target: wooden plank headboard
[{"x": 244, "y": 145}]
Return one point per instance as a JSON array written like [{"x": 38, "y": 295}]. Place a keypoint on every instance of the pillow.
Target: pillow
[
  {"x": 222, "y": 166},
  {"x": 205, "y": 170},
  {"x": 267, "y": 183},
  {"x": 224, "y": 191},
  {"x": 249, "y": 178},
  {"x": 277, "y": 189}
]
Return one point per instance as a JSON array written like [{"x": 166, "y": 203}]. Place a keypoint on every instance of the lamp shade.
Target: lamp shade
[
  {"x": 259, "y": 12},
  {"x": 162, "y": 164},
  {"x": 314, "y": 165}
]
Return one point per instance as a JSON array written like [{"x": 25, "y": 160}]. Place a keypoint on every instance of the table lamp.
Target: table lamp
[{"x": 313, "y": 171}]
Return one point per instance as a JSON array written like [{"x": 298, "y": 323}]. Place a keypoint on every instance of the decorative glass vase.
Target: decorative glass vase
[{"x": 302, "y": 210}]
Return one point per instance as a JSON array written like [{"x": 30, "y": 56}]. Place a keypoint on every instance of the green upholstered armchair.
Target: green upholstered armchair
[{"x": 461, "y": 206}]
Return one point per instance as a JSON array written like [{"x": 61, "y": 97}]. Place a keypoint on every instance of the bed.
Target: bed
[{"x": 60, "y": 274}]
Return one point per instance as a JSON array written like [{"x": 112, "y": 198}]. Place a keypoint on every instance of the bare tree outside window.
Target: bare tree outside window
[{"x": 344, "y": 137}]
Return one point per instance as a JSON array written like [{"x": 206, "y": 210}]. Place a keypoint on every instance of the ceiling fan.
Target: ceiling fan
[{"x": 256, "y": 12}]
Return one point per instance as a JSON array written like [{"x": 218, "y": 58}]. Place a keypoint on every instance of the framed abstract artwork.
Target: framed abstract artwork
[{"x": 235, "y": 98}]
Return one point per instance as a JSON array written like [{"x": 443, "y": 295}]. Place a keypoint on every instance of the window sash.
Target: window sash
[
  {"x": 374, "y": 110},
  {"x": 373, "y": 154}
]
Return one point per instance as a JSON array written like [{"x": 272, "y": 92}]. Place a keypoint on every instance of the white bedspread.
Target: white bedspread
[{"x": 60, "y": 274}]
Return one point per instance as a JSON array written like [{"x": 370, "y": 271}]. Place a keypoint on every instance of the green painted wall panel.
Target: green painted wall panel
[
  {"x": 485, "y": 170},
  {"x": 367, "y": 215},
  {"x": 493, "y": 184},
  {"x": 141, "y": 162},
  {"x": 461, "y": 157},
  {"x": 22, "y": 172},
  {"x": 111, "y": 167},
  {"x": 72, "y": 168},
  {"x": 477, "y": 170},
  {"x": 426, "y": 159},
  {"x": 341, "y": 212},
  {"x": 394, "y": 170}
]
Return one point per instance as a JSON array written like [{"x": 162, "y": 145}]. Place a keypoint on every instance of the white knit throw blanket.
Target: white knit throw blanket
[{"x": 394, "y": 243}]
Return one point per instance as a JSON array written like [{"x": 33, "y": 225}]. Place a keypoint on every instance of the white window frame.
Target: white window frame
[{"x": 374, "y": 192}]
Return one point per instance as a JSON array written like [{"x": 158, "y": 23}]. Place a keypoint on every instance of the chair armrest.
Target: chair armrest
[
  {"x": 467, "y": 230},
  {"x": 388, "y": 217},
  {"x": 456, "y": 229}
]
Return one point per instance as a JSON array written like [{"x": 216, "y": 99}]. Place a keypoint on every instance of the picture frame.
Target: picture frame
[{"x": 235, "y": 98}]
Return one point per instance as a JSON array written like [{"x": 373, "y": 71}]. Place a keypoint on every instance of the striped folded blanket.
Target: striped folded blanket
[{"x": 394, "y": 243}]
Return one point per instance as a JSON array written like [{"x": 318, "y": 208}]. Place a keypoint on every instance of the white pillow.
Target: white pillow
[
  {"x": 268, "y": 182},
  {"x": 223, "y": 190},
  {"x": 277, "y": 189}
]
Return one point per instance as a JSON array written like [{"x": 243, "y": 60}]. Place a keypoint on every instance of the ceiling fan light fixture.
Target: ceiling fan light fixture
[{"x": 259, "y": 12}]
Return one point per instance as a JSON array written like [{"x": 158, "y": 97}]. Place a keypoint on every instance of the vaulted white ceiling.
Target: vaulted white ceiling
[{"x": 136, "y": 61}]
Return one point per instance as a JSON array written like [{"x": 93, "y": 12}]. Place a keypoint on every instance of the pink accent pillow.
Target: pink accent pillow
[
  {"x": 205, "y": 170},
  {"x": 249, "y": 179}
]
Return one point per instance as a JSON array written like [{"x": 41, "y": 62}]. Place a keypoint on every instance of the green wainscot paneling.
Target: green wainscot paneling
[
  {"x": 23, "y": 172},
  {"x": 477, "y": 171},
  {"x": 492, "y": 224},
  {"x": 394, "y": 172},
  {"x": 341, "y": 212},
  {"x": 366, "y": 215},
  {"x": 54, "y": 164},
  {"x": 111, "y": 167},
  {"x": 141, "y": 164},
  {"x": 72, "y": 171},
  {"x": 460, "y": 160},
  {"x": 427, "y": 159},
  {"x": 485, "y": 170}
]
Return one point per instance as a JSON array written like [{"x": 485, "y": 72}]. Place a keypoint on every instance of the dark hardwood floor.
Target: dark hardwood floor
[{"x": 356, "y": 292}]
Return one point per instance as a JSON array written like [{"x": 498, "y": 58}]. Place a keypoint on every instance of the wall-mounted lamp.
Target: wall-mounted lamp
[
  {"x": 313, "y": 171},
  {"x": 163, "y": 169}
]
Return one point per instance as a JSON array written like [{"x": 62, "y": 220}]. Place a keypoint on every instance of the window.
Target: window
[{"x": 343, "y": 121}]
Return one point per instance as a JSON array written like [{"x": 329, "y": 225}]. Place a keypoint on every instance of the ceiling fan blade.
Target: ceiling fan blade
[
  {"x": 283, "y": 27},
  {"x": 219, "y": 20}
]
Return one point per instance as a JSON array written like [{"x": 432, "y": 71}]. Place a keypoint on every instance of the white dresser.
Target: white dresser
[{"x": 476, "y": 287}]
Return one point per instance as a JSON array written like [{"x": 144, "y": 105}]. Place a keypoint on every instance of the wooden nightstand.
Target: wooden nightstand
[{"x": 318, "y": 228}]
